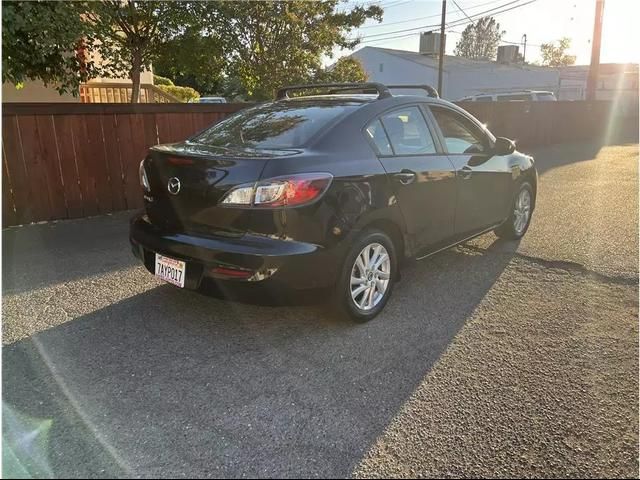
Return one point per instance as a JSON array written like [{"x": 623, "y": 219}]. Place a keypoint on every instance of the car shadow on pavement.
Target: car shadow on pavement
[{"x": 173, "y": 383}]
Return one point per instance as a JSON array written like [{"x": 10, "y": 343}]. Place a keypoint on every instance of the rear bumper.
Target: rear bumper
[{"x": 271, "y": 261}]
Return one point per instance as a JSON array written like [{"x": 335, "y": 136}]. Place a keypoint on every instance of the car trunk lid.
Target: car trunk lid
[{"x": 187, "y": 181}]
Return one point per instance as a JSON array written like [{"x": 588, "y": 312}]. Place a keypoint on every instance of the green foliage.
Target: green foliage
[
  {"x": 184, "y": 94},
  {"x": 44, "y": 40},
  {"x": 480, "y": 40},
  {"x": 132, "y": 33},
  {"x": 346, "y": 69},
  {"x": 268, "y": 44},
  {"x": 555, "y": 56},
  {"x": 233, "y": 89},
  {"x": 158, "y": 80},
  {"x": 240, "y": 49},
  {"x": 193, "y": 60}
]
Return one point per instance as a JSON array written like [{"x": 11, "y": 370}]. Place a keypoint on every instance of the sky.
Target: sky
[{"x": 542, "y": 21}]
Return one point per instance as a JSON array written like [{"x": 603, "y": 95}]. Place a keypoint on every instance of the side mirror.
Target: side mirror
[{"x": 504, "y": 146}]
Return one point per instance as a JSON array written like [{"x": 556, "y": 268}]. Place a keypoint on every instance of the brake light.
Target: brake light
[{"x": 286, "y": 191}]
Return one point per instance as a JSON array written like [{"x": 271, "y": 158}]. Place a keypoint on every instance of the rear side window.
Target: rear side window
[
  {"x": 379, "y": 138},
  {"x": 460, "y": 134},
  {"x": 276, "y": 125},
  {"x": 408, "y": 132}
]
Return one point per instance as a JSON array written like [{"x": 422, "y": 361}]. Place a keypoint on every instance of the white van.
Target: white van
[{"x": 521, "y": 96}]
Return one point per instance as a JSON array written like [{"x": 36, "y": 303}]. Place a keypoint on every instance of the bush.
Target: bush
[
  {"x": 158, "y": 80},
  {"x": 184, "y": 94}
]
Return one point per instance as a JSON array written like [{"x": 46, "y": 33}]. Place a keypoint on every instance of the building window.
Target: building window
[{"x": 382, "y": 67}]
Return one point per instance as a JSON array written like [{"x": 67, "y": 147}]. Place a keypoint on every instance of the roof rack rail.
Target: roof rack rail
[
  {"x": 382, "y": 90},
  {"x": 432, "y": 92}
]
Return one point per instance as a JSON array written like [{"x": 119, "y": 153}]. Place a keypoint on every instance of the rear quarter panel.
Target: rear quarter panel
[{"x": 360, "y": 192}]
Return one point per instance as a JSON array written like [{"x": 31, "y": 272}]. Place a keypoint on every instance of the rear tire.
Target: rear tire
[
  {"x": 367, "y": 277},
  {"x": 519, "y": 219}
]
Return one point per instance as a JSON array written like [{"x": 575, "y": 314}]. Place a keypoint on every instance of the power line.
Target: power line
[
  {"x": 383, "y": 24},
  {"x": 501, "y": 41},
  {"x": 457, "y": 22},
  {"x": 465, "y": 13}
]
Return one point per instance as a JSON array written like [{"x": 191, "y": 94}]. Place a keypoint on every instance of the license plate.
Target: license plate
[{"x": 170, "y": 270}]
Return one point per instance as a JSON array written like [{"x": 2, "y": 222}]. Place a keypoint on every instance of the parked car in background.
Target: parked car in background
[
  {"x": 328, "y": 191},
  {"x": 212, "y": 100},
  {"x": 521, "y": 96}
]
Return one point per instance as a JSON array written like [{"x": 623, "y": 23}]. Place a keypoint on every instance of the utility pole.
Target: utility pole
[
  {"x": 441, "y": 56},
  {"x": 524, "y": 50},
  {"x": 592, "y": 81}
]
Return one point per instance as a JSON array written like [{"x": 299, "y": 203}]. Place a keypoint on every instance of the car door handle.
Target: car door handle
[
  {"x": 405, "y": 177},
  {"x": 465, "y": 172}
]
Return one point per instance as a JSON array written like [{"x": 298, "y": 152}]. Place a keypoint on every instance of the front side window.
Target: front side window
[
  {"x": 484, "y": 99},
  {"x": 274, "y": 125},
  {"x": 408, "y": 132},
  {"x": 460, "y": 134}
]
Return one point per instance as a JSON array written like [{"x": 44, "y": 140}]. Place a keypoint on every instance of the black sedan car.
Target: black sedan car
[{"x": 328, "y": 191}]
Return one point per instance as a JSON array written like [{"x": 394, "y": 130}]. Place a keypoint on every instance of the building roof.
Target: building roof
[{"x": 451, "y": 61}]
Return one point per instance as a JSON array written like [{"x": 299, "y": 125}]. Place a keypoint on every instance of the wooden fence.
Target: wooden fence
[
  {"x": 533, "y": 124},
  {"x": 76, "y": 160}
]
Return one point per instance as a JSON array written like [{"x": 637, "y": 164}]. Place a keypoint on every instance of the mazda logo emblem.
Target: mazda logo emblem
[{"x": 174, "y": 186}]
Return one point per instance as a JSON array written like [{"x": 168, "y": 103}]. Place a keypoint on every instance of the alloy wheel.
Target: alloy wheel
[
  {"x": 522, "y": 211},
  {"x": 370, "y": 276}
]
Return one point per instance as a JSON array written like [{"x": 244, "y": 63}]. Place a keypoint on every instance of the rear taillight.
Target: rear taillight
[
  {"x": 286, "y": 191},
  {"x": 144, "y": 180}
]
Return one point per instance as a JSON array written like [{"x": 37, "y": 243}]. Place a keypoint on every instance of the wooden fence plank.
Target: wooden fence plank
[
  {"x": 66, "y": 152},
  {"x": 16, "y": 169},
  {"x": 9, "y": 216},
  {"x": 97, "y": 166},
  {"x": 128, "y": 128},
  {"x": 51, "y": 161},
  {"x": 109, "y": 124},
  {"x": 82, "y": 147},
  {"x": 35, "y": 168}
]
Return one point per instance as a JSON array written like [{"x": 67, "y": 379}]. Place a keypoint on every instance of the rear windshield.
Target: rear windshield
[{"x": 275, "y": 125}]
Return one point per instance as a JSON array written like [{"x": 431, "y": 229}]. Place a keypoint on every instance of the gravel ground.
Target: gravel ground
[
  {"x": 527, "y": 388},
  {"x": 492, "y": 359}
]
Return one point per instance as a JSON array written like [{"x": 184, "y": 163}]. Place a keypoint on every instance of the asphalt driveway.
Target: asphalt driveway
[{"x": 491, "y": 359}]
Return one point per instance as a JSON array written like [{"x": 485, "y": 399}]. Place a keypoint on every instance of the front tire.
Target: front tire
[
  {"x": 367, "y": 277},
  {"x": 518, "y": 222}
]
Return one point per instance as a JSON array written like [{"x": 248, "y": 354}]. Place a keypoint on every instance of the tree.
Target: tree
[
  {"x": 555, "y": 56},
  {"x": 273, "y": 43},
  {"x": 346, "y": 69},
  {"x": 131, "y": 33},
  {"x": 203, "y": 65},
  {"x": 46, "y": 41},
  {"x": 480, "y": 40}
]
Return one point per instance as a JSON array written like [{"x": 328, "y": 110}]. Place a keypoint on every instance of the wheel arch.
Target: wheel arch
[{"x": 394, "y": 231}]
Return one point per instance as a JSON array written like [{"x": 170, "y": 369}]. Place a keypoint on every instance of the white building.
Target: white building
[
  {"x": 617, "y": 82},
  {"x": 462, "y": 77}
]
